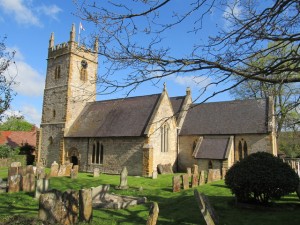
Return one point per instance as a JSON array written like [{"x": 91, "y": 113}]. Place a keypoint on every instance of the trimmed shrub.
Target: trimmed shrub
[{"x": 261, "y": 177}]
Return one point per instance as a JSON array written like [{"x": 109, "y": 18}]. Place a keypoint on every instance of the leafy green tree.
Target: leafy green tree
[
  {"x": 286, "y": 95},
  {"x": 14, "y": 123},
  {"x": 7, "y": 152}
]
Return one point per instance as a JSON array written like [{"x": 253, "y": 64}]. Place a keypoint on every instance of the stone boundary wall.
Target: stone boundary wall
[{"x": 5, "y": 162}]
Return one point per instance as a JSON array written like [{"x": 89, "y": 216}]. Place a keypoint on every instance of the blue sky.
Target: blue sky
[{"x": 28, "y": 25}]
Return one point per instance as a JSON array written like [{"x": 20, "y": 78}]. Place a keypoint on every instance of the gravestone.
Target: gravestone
[
  {"x": 165, "y": 169},
  {"x": 195, "y": 169},
  {"x": 213, "y": 175},
  {"x": 85, "y": 205},
  {"x": 99, "y": 192},
  {"x": 62, "y": 170},
  {"x": 202, "y": 178},
  {"x": 12, "y": 171},
  {"x": 123, "y": 179},
  {"x": 96, "y": 172},
  {"x": 29, "y": 169},
  {"x": 176, "y": 184},
  {"x": 153, "y": 214},
  {"x": 189, "y": 171},
  {"x": 21, "y": 170},
  {"x": 206, "y": 209},
  {"x": 68, "y": 169},
  {"x": 54, "y": 169},
  {"x": 42, "y": 185},
  {"x": 14, "y": 183},
  {"x": 56, "y": 207},
  {"x": 74, "y": 172},
  {"x": 40, "y": 172},
  {"x": 195, "y": 181},
  {"x": 28, "y": 182},
  {"x": 154, "y": 174},
  {"x": 185, "y": 181},
  {"x": 16, "y": 164}
]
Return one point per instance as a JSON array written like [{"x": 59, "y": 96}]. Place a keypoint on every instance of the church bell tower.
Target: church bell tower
[{"x": 70, "y": 84}]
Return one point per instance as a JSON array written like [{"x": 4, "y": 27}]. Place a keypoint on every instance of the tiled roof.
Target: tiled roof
[
  {"x": 18, "y": 138},
  {"x": 126, "y": 117},
  {"x": 177, "y": 103},
  {"x": 212, "y": 148},
  {"x": 232, "y": 117}
]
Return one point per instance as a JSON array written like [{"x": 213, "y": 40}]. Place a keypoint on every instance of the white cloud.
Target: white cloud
[
  {"x": 232, "y": 10},
  {"x": 29, "y": 82},
  {"x": 192, "y": 81},
  {"x": 31, "y": 114},
  {"x": 21, "y": 13},
  {"x": 51, "y": 10},
  {"x": 25, "y": 12}
]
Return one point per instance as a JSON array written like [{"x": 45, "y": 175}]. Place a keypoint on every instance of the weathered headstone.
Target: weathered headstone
[
  {"x": 202, "y": 178},
  {"x": 85, "y": 205},
  {"x": 165, "y": 169},
  {"x": 28, "y": 182},
  {"x": 195, "y": 169},
  {"x": 100, "y": 191},
  {"x": 74, "y": 172},
  {"x": 21, "y": 170},
  {"x": 56, "y": 207},
  {"x": 29, "y": 169},
  {"x": 189, "y": 171},
  {"x": 12, "y": 171},
  {"x": 213, "y": 175},
  {"x": 153, "y": 214},
  {"x": 54, "y": 169},
  {"x": 62, "y": 170},
  {"x": 96, "y": 172},
  {"x": 123, "y": 179},
  {"x": 42, "y": 185},
  {"x": 206, "y": 209},
  {"x": 68, "y": 169},
  {"x": 14, "y": 183},
  {"x": 176, "y": 183},
  {"x": 195, "y": 181},
  {"x": 154, "y": 174},
  {"x": 40, "y": 172},
  {"x": 185, "y": 181},
  {"x": 16, "y": 164}
]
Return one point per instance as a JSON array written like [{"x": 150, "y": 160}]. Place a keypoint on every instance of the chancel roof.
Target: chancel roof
[
  {"x": 126, "y": 117},
  {"x": 212, "y": 148},
  {"x": 177, "y": 103},
  {"x": 232, "y": 117}
]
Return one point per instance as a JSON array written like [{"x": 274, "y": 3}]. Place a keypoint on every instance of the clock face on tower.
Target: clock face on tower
[{"x": 84, "y": 64}]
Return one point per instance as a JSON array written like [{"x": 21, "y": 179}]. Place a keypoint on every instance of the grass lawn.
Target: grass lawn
[{"x": 175, "y": 208}]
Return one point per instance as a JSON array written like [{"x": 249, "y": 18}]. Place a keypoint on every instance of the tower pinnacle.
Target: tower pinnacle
[
  {"x": 51, "y": 41},
  {"x": 72, "y": 33}
]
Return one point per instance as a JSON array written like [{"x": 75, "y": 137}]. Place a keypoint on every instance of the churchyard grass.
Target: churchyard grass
[{"x": 174, "y": 208}]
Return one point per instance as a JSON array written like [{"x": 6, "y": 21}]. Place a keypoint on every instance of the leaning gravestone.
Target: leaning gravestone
[
  {"x": 206, "y": 209},
  {"x": 85, "y": 205},
  {"x": 176, "y": 184},
  {"x": 185, "y": 181},
  {"x": 213, "y": 175},
  {"x": 74, "y": 172},
  {"x": 165, "y": 169},
  {"x": 14, "y": 183},
  {"x": 62, "y": 170},
  {"x": 123, "y": 179},
  {"x": 42, "y": 185},
  {"x": 153, "y": 214},
  {"x": 68, "y": 169}
]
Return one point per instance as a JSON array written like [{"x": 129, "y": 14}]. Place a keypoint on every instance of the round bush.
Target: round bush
[{"x": 261, "y": 177}]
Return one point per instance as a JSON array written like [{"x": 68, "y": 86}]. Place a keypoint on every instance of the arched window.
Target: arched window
[
  {"x": 245, "y": 149},
  {"x": 240, "y": 150},
  {"x": 50, "y": 140},
  {"x": 164, "y": 132},
  {"x": 57, "y": 72},
  {"x": 98, "y": 153},
  {"x": 83, "y": 74}
]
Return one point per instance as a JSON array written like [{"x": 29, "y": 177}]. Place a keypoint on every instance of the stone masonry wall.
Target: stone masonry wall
[
  {"x": 163, "y": 115},
  {"x": 186, "y": 149},
  {"x": 117, "y": 153}
]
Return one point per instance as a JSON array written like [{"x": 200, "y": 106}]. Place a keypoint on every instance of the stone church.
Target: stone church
[{"x": 141, "y": 132}]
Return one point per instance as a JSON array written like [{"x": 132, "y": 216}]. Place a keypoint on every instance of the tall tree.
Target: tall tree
[
  {"x": 136, "y": 35},
  {"x": 286, "y": 95},
  {"x": 6, "y": 79}
]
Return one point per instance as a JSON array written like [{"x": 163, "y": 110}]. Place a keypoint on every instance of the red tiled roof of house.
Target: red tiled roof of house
[{"x": 18, "y": 138}]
